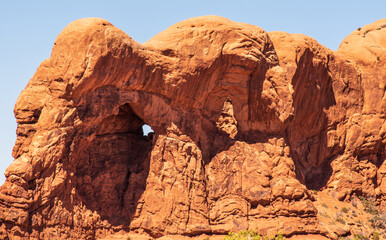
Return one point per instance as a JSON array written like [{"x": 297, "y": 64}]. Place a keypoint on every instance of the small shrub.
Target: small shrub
[
  {"x": 378, "y": 221},
  {"x": 360, "y": 237},
  {"x": 345, "y": 210},
  {"x": 377, "y": 58},
  {"x": 243, "y": 235},
  {"x": 369, "y": 205},
  {"x": 279, "y": 237},
  {"x": 251, "y": 235},
  {"x": 340, "y": 220},
  {"x": 324, "y": 205},
  {"x": 359, "y": 29},
  {"x": 376, "y": 236}
]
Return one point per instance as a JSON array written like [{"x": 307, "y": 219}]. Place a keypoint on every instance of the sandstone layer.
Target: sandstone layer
[{"x": 247, "y": 125}]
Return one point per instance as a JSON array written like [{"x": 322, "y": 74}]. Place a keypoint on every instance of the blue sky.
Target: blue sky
[{"x": 29, "y": 29}]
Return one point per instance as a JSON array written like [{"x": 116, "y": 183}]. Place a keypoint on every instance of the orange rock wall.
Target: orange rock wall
[{"x": 246, "y": 124}]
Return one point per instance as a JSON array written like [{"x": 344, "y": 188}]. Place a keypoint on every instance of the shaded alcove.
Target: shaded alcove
[
  {"x": 318, "y": 177},
  {"x": 307, "y": 131},
  {"x": 112, "y": 165}
]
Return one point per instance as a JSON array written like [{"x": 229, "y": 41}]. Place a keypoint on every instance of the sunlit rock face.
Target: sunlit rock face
[{"x": 246, "y": 123}]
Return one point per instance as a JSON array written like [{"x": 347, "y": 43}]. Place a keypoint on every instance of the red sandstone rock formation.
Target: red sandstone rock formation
[{"x": 246, "y": 124}]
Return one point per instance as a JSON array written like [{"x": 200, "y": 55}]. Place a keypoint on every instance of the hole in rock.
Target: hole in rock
[
  {"x": 318, "y": 177},
  {"x": 147, "y": 130}
]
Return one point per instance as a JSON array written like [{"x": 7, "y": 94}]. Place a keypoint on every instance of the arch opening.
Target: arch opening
[
  {"x": 147, "y": 130},
  {"x": 112, "y": 165}
]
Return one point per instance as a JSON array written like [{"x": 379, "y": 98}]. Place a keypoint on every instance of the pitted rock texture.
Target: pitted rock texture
[{"x": 246, "y": 123}]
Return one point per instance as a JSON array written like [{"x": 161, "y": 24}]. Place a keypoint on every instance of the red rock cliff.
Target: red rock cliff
[{"x": 245, "y": 123}]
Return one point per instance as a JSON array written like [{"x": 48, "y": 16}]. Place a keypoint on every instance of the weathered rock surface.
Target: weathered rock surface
[{"x": 246, "y": 124}]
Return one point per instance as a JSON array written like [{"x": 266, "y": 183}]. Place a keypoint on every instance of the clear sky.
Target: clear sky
[{"x": 29, "y": 28}]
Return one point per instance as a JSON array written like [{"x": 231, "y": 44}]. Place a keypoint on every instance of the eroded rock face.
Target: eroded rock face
[{"x": 246, "y": 124}]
